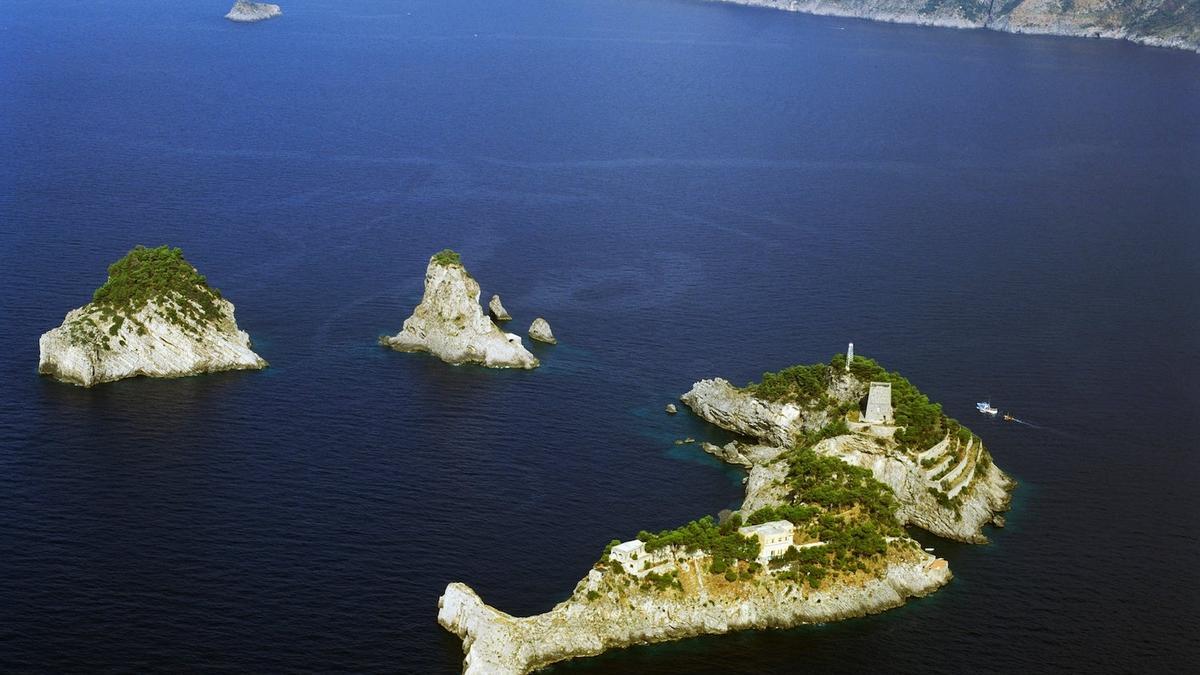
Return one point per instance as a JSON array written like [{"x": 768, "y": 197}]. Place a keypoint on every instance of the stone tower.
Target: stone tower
[
  {"x": 879, "y": 404},
  {"x": 849, "y": 356}
]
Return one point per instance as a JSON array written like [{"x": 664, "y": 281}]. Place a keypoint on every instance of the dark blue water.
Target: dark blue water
[{"x": 684, "y": 190}]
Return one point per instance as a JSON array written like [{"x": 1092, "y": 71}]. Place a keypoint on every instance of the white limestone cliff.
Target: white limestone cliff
[
  {"x": 450, "y": 323},
  {"x": 246, "y": 12},
  {"x": 726, "y": 406},
  {"x": 94, "y": 346}
]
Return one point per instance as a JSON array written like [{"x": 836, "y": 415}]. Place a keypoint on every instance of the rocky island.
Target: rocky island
[
  {"x": 245, "y": 12},
  {"x": 155, "y": 316},
  {"x": 450, "y": 323},
  {"x": 496, "y": 309},
  {"x": 540, "y": 330},
  {"x": 835, "y": 474},
  {"x": 1157, "y": 23}
]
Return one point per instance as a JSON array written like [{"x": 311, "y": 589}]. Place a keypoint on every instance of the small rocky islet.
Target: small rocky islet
[
  {"x": 540, "y": 330},
  {"x": 155, "y": 316},
  {"x": 248, "y": 12},
  {"x": 450, "y": 323},
  {"x": 836, "y": 472},
  {"x": 496, "y": 309}
]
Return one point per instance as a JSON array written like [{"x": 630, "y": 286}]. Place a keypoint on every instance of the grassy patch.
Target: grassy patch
[{"x": 447, "y": 258}]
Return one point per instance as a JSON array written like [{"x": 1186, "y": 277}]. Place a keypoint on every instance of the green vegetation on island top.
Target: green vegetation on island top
[
  {"x": 722, "y": 542},
  {"x": 142, "y": 276},
  {"x": 923, "y": 422},
  {"x": 844, "y": 514},
  {"x": 146, "y": 274},
  {"x": 829, "y": 501},
  {"x": 447, "y": 258}
]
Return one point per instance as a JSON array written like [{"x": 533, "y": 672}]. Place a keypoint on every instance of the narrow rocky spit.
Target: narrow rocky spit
[
  {"x": 247, "y": 12},
  {"x": 450, "y": 323},
  {"x": 602, "y": 613}
]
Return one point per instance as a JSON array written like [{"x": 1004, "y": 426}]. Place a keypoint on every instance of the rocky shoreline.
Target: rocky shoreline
[
  {"x": 611, "y": 616},
  {"x": 1165, "y": 26}
]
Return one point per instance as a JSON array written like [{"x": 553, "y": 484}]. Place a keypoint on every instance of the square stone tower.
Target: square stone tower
[{"x": 879, "y": 404}]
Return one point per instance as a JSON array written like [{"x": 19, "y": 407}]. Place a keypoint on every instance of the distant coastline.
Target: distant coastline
[{"x": 1153, "y": 26}]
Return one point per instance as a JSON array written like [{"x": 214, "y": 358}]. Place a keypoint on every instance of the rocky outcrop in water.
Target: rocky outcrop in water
[
  {"x": 722, "y": 404},
  {"x": 496, "y": 309},
  {"x": 155, "y": 316},
  {"x": 540, "y": 330},
  {"x": 450, "y": 324},
  {"x": 1158, "y": 23},
  {"x": 246, "y": 12}
]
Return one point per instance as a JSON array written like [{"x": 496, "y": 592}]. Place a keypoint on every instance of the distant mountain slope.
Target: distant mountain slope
[{"x": 1159, "y": 23}]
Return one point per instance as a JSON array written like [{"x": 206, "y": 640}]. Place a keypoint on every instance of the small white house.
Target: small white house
[
  {"x": 774, "y": 538},
  {"x": 628, "y": 554}
]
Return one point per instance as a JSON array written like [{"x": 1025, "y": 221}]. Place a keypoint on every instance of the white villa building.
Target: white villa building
[
  {"x": 879, "y": 404},
  {"x": 775, "y": 538},
  {"x": 635, "y": 559},
  {"x": 628, "y": 553}
]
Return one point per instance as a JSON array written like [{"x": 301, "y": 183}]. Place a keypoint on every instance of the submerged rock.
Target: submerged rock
[
  {"x": 155, "y": 316},
  {"x": 245, "y": 12},
  {"x": 496, "y": 309},
  {"x": 540, "y": 330},
  {"x": 450, "y": 323}
]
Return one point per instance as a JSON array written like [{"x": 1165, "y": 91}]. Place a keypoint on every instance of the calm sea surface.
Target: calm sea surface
[{"x": 684, "y": 190}]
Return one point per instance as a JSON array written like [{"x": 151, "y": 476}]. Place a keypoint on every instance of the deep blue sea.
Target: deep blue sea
[{"x": 685, "y": 190}]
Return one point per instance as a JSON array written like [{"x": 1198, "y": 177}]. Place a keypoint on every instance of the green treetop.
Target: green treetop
[
  {"x": 447, "y": 257},
  {"x": 151, "y": 274}
]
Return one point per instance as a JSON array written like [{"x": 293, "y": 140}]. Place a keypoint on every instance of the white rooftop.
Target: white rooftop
[
  {"x": 773, "y": 527},
  {"x": 629, "y": 546}
]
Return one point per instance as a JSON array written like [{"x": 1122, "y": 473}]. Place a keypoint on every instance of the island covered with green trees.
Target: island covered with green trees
[
  {"x": 820, "y": 536},
  {"x": 155, "y": 315}
]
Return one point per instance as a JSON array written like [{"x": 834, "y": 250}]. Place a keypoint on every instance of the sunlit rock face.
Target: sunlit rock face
[{"x": 451, "y": 324}]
